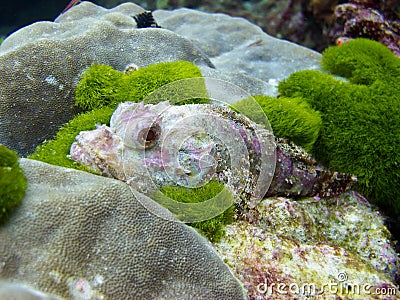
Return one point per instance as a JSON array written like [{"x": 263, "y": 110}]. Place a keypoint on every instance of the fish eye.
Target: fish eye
[
  {"x": 149, "y": 136},
  {"x": 141, "y": 134}
]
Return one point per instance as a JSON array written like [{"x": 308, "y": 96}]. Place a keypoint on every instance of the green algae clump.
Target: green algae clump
[
  {"x": 291, "y": 118},
  {"x": 12, "y": 182},
  {"x": 360, "y": 130},
  {"x": 97, "y": 87},
  {"x": 101, "y": 85},
  {"x": 213, "y": 229}
]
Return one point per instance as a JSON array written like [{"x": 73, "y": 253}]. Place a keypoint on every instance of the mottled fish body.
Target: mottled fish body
[{"x": 150, "y": 146}]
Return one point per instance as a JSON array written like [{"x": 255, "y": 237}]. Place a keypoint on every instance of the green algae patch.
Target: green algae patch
[
  {"x": 291, "y": 118},
  {"x": 362, "y": 61},
  {"x": 101, "y": 85},
  {"x": 360, "y": 130},
  {"x": 97, "y": 87},
  {"x": 12, "y": 183},
  {"x": 213, "y": 228}
]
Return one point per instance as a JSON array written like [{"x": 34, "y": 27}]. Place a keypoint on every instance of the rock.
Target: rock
[
  {"x": 81, "y": 236},
  {"x": 333, "y": 248},
  {"x": 239, "y": 48},
  {"x": 40, "y": 64}
]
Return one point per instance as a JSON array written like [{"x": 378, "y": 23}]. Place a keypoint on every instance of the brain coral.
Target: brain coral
[
  {"x": 82, "y": 236},
  {"x": 41, "y": 63}
]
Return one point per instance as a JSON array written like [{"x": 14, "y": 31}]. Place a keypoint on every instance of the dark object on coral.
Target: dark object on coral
[
  {"x": 146, "y": 20},
  {"x": 375, "y": 20}
]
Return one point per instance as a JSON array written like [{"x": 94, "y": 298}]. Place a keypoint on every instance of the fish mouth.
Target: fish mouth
[
  {"x": 81, "y": 155},
  {"x": 96, "y": 149}
]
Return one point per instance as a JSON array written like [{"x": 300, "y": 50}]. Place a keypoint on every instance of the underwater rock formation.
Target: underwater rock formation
[
  {"x": 85, "y": 236},
  {"x": 375, "y": 20},
  {"x": 81, "y": 236},
  {"x": 323, "y": 248}
]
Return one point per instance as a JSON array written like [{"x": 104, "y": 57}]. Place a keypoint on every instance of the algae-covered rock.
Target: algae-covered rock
[
  {"x": 335, "y": 248},
  {"x": 82, "y": 236},
  {"x": 360, "y": 115},
  {"x": 101, "y": 85}
]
